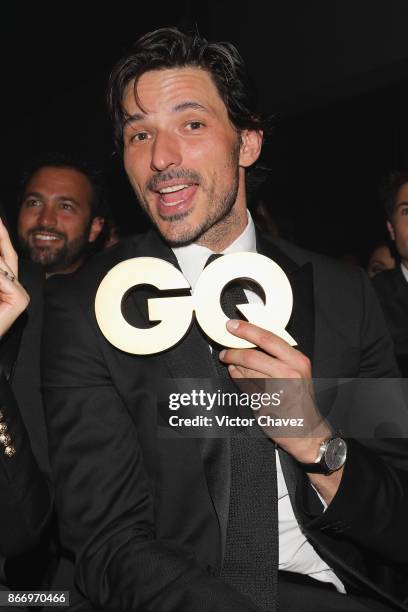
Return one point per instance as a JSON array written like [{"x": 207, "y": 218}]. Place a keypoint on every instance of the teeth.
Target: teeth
[
  {"x": 45, "y": 237},
  {"x": 172, "y": 203},
  {"x": 173, "y": 188}
]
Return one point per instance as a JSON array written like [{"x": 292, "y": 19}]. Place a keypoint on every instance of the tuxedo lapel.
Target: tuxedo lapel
[
  {"x": 301, "y": 325},
  {"x": 216, "y": 456}
]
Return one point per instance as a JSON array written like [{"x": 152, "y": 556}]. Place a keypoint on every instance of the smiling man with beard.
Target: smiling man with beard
[{"x": 61, "y": 213}]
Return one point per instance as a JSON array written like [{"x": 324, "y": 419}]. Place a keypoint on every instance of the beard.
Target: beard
[
  {"x": 220, "y": 216},
  {"x": 59, "y": 258},
  {"x": 215, "y": 227}
]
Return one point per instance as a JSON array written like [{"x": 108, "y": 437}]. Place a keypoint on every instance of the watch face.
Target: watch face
[{"x": 335, "y": 454}]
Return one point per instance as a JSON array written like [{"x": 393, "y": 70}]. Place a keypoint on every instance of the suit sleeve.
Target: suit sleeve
[
  {"x": 24, "y": 492},
  {"x": 103, "y": 494},
  {"x": 371, "y": 504}
]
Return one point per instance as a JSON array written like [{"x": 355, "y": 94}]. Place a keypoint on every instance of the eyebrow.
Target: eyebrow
[
  {"x": 32, "y": 194},
  {"x": 188, "y": 105},
  {"x": 40, "y": 196}
]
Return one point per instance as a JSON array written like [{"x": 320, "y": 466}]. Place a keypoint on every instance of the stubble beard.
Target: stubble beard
[
  {"x": 213, "y": 230},
  {"x": 59, "y": 259}
]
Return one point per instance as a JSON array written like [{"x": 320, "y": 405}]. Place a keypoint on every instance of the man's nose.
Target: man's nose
[
  {"x": 47, "y": 216},
  {"x": 165, "y": 152}
]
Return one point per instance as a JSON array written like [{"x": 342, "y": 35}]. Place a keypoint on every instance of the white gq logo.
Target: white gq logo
[{"x": 176, "y": 313}]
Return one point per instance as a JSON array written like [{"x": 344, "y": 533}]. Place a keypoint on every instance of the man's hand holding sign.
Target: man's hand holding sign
[{"x": 278, "y": 360}]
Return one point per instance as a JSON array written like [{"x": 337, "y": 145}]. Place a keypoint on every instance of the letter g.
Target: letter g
[{"x": 175, "y": 313}]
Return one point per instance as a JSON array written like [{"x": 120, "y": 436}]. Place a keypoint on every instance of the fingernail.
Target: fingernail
[
  {"x": 222, "y": 354},
  {"x": 232, "y": 324}
]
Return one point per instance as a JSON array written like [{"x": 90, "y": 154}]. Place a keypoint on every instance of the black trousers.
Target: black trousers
[{"x": 298, "y": 593}]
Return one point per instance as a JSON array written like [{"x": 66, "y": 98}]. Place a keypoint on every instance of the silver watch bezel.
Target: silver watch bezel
[
  {"x": 323, "y": 463},
  {"x": 336, "y": 442}
]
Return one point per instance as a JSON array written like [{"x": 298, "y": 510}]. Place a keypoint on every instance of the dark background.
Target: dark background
[{"x": 333, "y": 74}]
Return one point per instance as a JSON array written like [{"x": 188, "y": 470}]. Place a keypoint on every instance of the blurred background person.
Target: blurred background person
[
  {"x": 113, "y": 233},
  {"x": 61, "y": 220},
  {"x": 269, "y": 206},
  {"x": 380, "y": 259},
  {"x": 392, "y": 285},
  {"x": 263, "y": 219}
]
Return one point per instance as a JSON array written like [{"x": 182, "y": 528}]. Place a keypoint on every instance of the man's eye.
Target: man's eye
[
  {"x": 194, "y": 125},
  {"x": 139, "y": 137},
  {"x": 32, "y": 203},
  {"x": 404, "y": 211},
  {"x": 66, "y": 206}
]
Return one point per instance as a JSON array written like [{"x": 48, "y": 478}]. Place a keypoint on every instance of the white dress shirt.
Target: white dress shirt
[{"x": 295, "y": 552}]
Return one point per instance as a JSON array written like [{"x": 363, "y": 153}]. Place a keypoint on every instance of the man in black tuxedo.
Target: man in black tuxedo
[
  {"x": 392, "y": 285},
  {"x": 174, "y": 523}
]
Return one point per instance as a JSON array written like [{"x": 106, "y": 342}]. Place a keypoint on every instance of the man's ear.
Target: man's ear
[
  {"x": 390, "y": 230},
  {"x": 250, "y": 149},
  {"x": 96, "y": 228}
]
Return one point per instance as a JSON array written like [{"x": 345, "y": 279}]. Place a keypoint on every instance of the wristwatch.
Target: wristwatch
[{"x": 332, "y": 456}]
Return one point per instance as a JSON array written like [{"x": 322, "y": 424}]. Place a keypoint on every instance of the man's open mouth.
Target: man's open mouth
[{"x": 176, "y": 194}]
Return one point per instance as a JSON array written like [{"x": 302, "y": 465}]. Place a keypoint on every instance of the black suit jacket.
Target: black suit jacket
[
  {"x": 392, "y": 290},
  {"x": 24, "y": 491},
  {"x": 146, "y": 516}
]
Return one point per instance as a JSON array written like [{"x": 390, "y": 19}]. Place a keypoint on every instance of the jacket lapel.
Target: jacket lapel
[{"x": 302, "y": 322}]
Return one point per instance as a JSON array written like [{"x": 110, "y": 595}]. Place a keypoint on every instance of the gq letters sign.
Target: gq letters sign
[{"x": 176, "y": 313}]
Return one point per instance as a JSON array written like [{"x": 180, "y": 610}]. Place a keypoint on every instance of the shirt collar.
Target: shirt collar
[{"x": 192, "y": 258}]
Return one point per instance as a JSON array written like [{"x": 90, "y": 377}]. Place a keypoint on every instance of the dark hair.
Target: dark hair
[
  {"x": 171, "y": 48},
  {"x": 392, "y": 184},
  {"x": 99, "y": 204}
]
